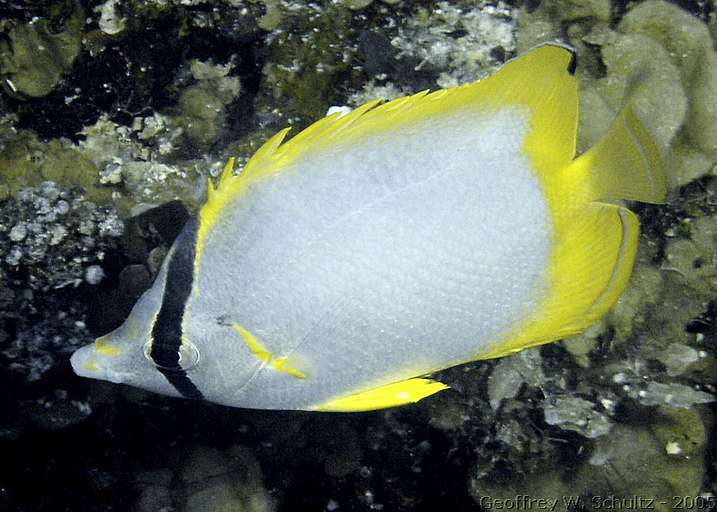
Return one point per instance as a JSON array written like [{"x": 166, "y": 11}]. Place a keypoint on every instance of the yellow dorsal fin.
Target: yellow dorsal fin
[
  {"x": 589, "y": 270},
  {"x": 272, "y": 156},
  {"x": 540, "y": 81},
  {"x": 543, "y": 80},
  {"x": 261, "y": 162},
  {"x": 223, "y": 177},
  {"x": 391, "y": 395}
]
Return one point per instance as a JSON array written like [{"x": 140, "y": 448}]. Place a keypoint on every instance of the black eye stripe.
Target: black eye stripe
[{"x": 167, "y": 330}]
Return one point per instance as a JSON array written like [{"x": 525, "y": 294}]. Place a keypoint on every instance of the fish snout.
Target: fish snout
[{"x": 92, "y": 361}]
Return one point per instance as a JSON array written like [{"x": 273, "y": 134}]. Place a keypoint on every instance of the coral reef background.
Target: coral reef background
[{"x": 113, "y": 113}]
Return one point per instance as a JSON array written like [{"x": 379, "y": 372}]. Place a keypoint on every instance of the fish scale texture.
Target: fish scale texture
[{"x": 410, "y": 251}]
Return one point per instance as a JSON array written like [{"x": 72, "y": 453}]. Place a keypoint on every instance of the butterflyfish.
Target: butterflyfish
[{"x": 342, "y": 268}]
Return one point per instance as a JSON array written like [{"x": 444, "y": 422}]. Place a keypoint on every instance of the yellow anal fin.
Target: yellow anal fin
[
  {"x": 392, "y": 395},
  {"x": 589, "y": 270},
  {"x": 280, "y": 364},
  {"x": 624, "y": 164}
]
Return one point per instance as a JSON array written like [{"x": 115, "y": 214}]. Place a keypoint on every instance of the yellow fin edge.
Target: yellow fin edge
[
  {"x": 230, "y": 187},
  {"x": 595, "y": 243},
  {"x": 275, "y": 155},
  {"x": 392, "y": 395},
  {"x": 589, "y": 271}
]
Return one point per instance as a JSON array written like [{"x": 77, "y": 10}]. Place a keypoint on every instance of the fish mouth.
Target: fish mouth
[{"x": 84, "y": 364}]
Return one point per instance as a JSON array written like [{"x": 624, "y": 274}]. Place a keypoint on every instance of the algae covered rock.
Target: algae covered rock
[
  {"x": 136, "y": 166},
  {"x": 690, "y": 45},
  {"x": 223, "y": 481},
  {"x": 511, "y": 373},
  {"x": 641, "y": 68},
  {"x": 49, "y": 237},
  {"x": 693, "y": 259},
  {"x": 463, "y": 41},
  {"x": 111, "y": 22},
  {"x": 638, "y": 461},
  {"x": 659, "y": 58},
  {"x": 208, "y": 479},
  {"x": 546, "y": 488},
  {"x": 634, "y": 464},
  {"x": 272, "y": 15},
  {"x": 673, "y": 395},
  {"x": 201, "y": 106},
  {"x": 678, "y": 358},
  {"x": 26, "y": 161},
  {"x": 154, "y": 490},
  {"x": 35, "y": 55},
  {"x": 548, "y": 20},
  {"x": 577, "y": 414},
  {"x": 308, "y": 50}
]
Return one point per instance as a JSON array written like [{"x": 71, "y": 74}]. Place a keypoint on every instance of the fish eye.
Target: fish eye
[{"x": 188, "y": 356}]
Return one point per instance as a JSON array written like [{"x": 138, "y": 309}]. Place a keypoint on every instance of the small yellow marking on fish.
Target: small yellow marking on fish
[
  {"x": 280, "y": 364},
  {"x": 106, "y": 348},
  {"x": 91, "y": 366},
  {"x": 256, "y": 347},
  {"x": 101, "y": 348}
]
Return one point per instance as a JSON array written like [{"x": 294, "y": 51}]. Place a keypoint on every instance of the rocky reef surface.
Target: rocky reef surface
[{"x": 113, "y": 114}]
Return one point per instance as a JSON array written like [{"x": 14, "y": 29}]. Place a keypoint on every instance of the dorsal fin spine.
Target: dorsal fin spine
[
  {"x": 227, "y": 172},
  {"x": 261, "y": 158}
]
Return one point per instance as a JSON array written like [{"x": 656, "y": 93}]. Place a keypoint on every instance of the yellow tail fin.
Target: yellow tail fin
[
  {"x": 624, "y": 164},
  {"x": 594, "y": 243}
]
